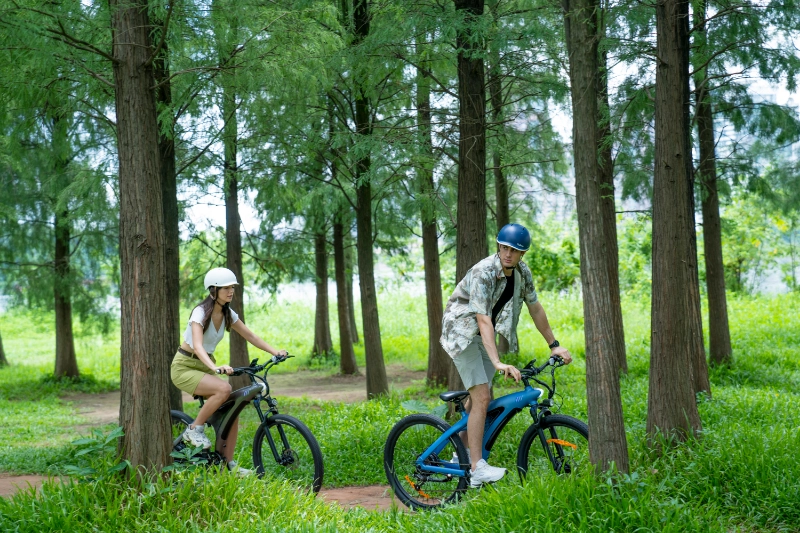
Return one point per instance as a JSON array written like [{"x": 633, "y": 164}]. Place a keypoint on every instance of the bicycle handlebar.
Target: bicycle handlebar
[
  {"x": 256, "y": 368},
  {"x": 530, "y": 370}
]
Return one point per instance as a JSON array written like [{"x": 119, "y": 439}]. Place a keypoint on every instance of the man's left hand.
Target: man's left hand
[{"x": 563, "y": 353}]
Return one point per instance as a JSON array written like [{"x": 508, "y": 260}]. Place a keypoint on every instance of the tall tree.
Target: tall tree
[
  {"x": 671, "y": 405},
  {"x": 347, "y": 357},
  {"x": 608, "y": 445},
  {"x": 226, "y": 34},
  {"x": 169, "y": 197},
  {"x": 471, "y": 205},
  {"x": 608, "y": 201},
  {"x": 143, "y": 387},
  {"x": 502, "y": 215},
  {"x": 718, "y": 329},
  {"x": 377, "y": 383},
  {"x": 66, "y": 361},
  {"x": 322, "y": 324},
  {"x": 438, "y": 360}
]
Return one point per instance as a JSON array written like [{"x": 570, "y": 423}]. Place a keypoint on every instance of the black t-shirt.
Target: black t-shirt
[{"x": 508, "y": 293}]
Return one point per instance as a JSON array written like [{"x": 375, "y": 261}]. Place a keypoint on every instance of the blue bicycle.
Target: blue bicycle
[{"x": 420, "y": 452}]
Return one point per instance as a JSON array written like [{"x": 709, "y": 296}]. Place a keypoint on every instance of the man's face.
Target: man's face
[{"x": 509, "y": 257}]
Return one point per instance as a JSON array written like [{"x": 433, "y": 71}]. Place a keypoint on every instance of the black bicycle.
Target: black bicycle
[
  {"x": 426, "y": 461},
  {"x": 283, "y": 446}
]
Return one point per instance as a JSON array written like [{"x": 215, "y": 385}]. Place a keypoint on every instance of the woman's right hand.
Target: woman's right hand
[{"x": 224, "y": 369}]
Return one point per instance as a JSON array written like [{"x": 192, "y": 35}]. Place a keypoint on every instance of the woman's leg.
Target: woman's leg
[
  {"x": 215, "y": 391},
  {"x": 230, "y": 443}
]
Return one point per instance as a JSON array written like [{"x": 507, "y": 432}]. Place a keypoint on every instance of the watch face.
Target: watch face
[{"x": 555, "y": 344}]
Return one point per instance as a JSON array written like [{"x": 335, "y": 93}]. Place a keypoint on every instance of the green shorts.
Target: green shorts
[
  {"x": 186, "y": 372},
  {"x": 474, "y": 365}
]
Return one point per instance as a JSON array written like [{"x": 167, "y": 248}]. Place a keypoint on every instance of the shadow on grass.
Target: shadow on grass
[{"x": 48, "y": 385}]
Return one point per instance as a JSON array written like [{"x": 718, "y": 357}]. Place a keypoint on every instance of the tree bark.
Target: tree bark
[
  {"x": 322, "y": 325},
  {"x": 471, "y": 203},
  {"x": 671, "y": 405},
  {"x": 225, "y": 31},
  {"x": 347, "y": 357},
  {"x": 66, "y": 362},
  {"x": 143, "y": 386},
  {"x": 349, "y": 263},
  {"x": 718, "y": 328},
  {"x": 377, "y": 383},
  {"x": 502, "y": 215},
  {"x": 608, "y": 210},
  {"x": 438, "y": 360},
  {"x": 169, "y": 197},
  {"x": 608, "y": 444}
]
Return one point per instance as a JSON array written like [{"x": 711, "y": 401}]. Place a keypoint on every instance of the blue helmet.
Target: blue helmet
[{"x": 515, "y": 236}]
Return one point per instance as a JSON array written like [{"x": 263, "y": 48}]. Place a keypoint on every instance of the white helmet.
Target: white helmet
[{"x": 220, "y": 277}]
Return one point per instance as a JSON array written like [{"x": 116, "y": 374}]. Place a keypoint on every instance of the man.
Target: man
[{"x": 486, "y": 302}]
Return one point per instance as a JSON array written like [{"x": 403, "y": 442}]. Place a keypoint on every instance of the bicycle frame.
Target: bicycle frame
[
  {"x": 498, "y": 414},
  {"x": 223, "y": 418}
]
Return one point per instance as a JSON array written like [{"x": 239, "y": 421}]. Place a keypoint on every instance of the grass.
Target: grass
[{"x": 740, "y": 474}]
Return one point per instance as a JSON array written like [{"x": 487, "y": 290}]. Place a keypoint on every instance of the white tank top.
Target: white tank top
[{"x": 212, "y": 336}]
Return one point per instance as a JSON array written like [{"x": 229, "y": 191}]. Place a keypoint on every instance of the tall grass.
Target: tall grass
[{"x": 740, "y": 474}]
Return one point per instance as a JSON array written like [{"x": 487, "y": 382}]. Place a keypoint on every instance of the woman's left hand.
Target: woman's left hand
[{"x": 281, "y": 353}]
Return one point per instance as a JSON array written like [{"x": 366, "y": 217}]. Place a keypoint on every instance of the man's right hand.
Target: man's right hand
[{"x": 508, "y": 370}]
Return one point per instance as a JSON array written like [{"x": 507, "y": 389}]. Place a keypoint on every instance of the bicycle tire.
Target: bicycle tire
[
  {"x": 410, "y": 437},
  {"x": 558, "y": 443},
  {"x": 284, "y": 447}
]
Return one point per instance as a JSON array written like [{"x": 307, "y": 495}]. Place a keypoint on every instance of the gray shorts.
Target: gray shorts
[{"x": 474, "y": 365}]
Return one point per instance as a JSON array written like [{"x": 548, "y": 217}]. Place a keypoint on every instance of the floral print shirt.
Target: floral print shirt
[{"x": 477, "y": 293}]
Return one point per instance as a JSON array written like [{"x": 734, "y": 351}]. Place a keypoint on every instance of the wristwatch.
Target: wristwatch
[{"x": 554, "y": 344}]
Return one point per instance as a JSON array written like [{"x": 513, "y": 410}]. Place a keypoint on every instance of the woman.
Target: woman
[{"x": 194, "y": 369}]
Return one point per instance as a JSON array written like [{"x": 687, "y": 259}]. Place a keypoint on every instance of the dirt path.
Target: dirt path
[{"x": 102, "y": 409}]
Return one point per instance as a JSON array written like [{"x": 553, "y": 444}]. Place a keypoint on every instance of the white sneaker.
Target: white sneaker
[
  {"x": 484, "y": 473},
  {"x": 242, "y": 472},
  {"x": 455, "y": 461},
  {"x": 196, "y": 436}
]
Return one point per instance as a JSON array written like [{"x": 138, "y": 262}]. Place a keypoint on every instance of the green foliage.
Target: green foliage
[
  {"x": 702, "y": 485},
  {"x": 94, "y": 457}
]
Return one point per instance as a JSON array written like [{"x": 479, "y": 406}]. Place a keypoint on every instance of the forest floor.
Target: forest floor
[{"x": 102, "y": 409}]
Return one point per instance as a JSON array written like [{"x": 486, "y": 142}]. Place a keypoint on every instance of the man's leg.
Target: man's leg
[{"x": 480, "y": 397}]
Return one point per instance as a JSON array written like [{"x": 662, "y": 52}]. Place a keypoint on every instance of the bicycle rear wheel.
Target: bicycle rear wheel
[
  {"x": 409, "y": 438},
  {"x": 284, "y": 447},
  {"x": 558, "y": 443}
]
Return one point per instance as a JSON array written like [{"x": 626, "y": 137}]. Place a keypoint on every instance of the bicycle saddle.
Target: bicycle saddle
[{"x": 453, "y": 395}]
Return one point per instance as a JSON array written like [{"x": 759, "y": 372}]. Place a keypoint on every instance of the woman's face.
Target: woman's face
[{"x": 225, "y": 294}]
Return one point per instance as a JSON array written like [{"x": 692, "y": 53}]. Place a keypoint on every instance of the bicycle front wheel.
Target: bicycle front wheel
[
  {"x": 417, "y": 489},
  {"x": 558, "y": 443},
  {"x": 284, "y": 447}
]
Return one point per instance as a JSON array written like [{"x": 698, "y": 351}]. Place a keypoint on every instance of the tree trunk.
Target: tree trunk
[
  {"x": 225, "y": 31},
  {"x": 144, "y": 394},
  {"x": 169, "y": 193},
  {"x": 377, "y": 384},
  {"x": 347, "y": 357},
  {"x": 3, "y": 360},
  {"x": 718, "y": 329},
  {"x": 322, "y": 324},
  {"x": 349, "y": 263},
  {"x": 471, "y": 203},
  {"x": 500, "y": 182},
  {"x": 608, "y": 210},
  {"x": 66, "y": 361},
  {"x": 608, "y": 445},
  {"x": 671, "y": 405},
  {"x": 438, "y": 360}
]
